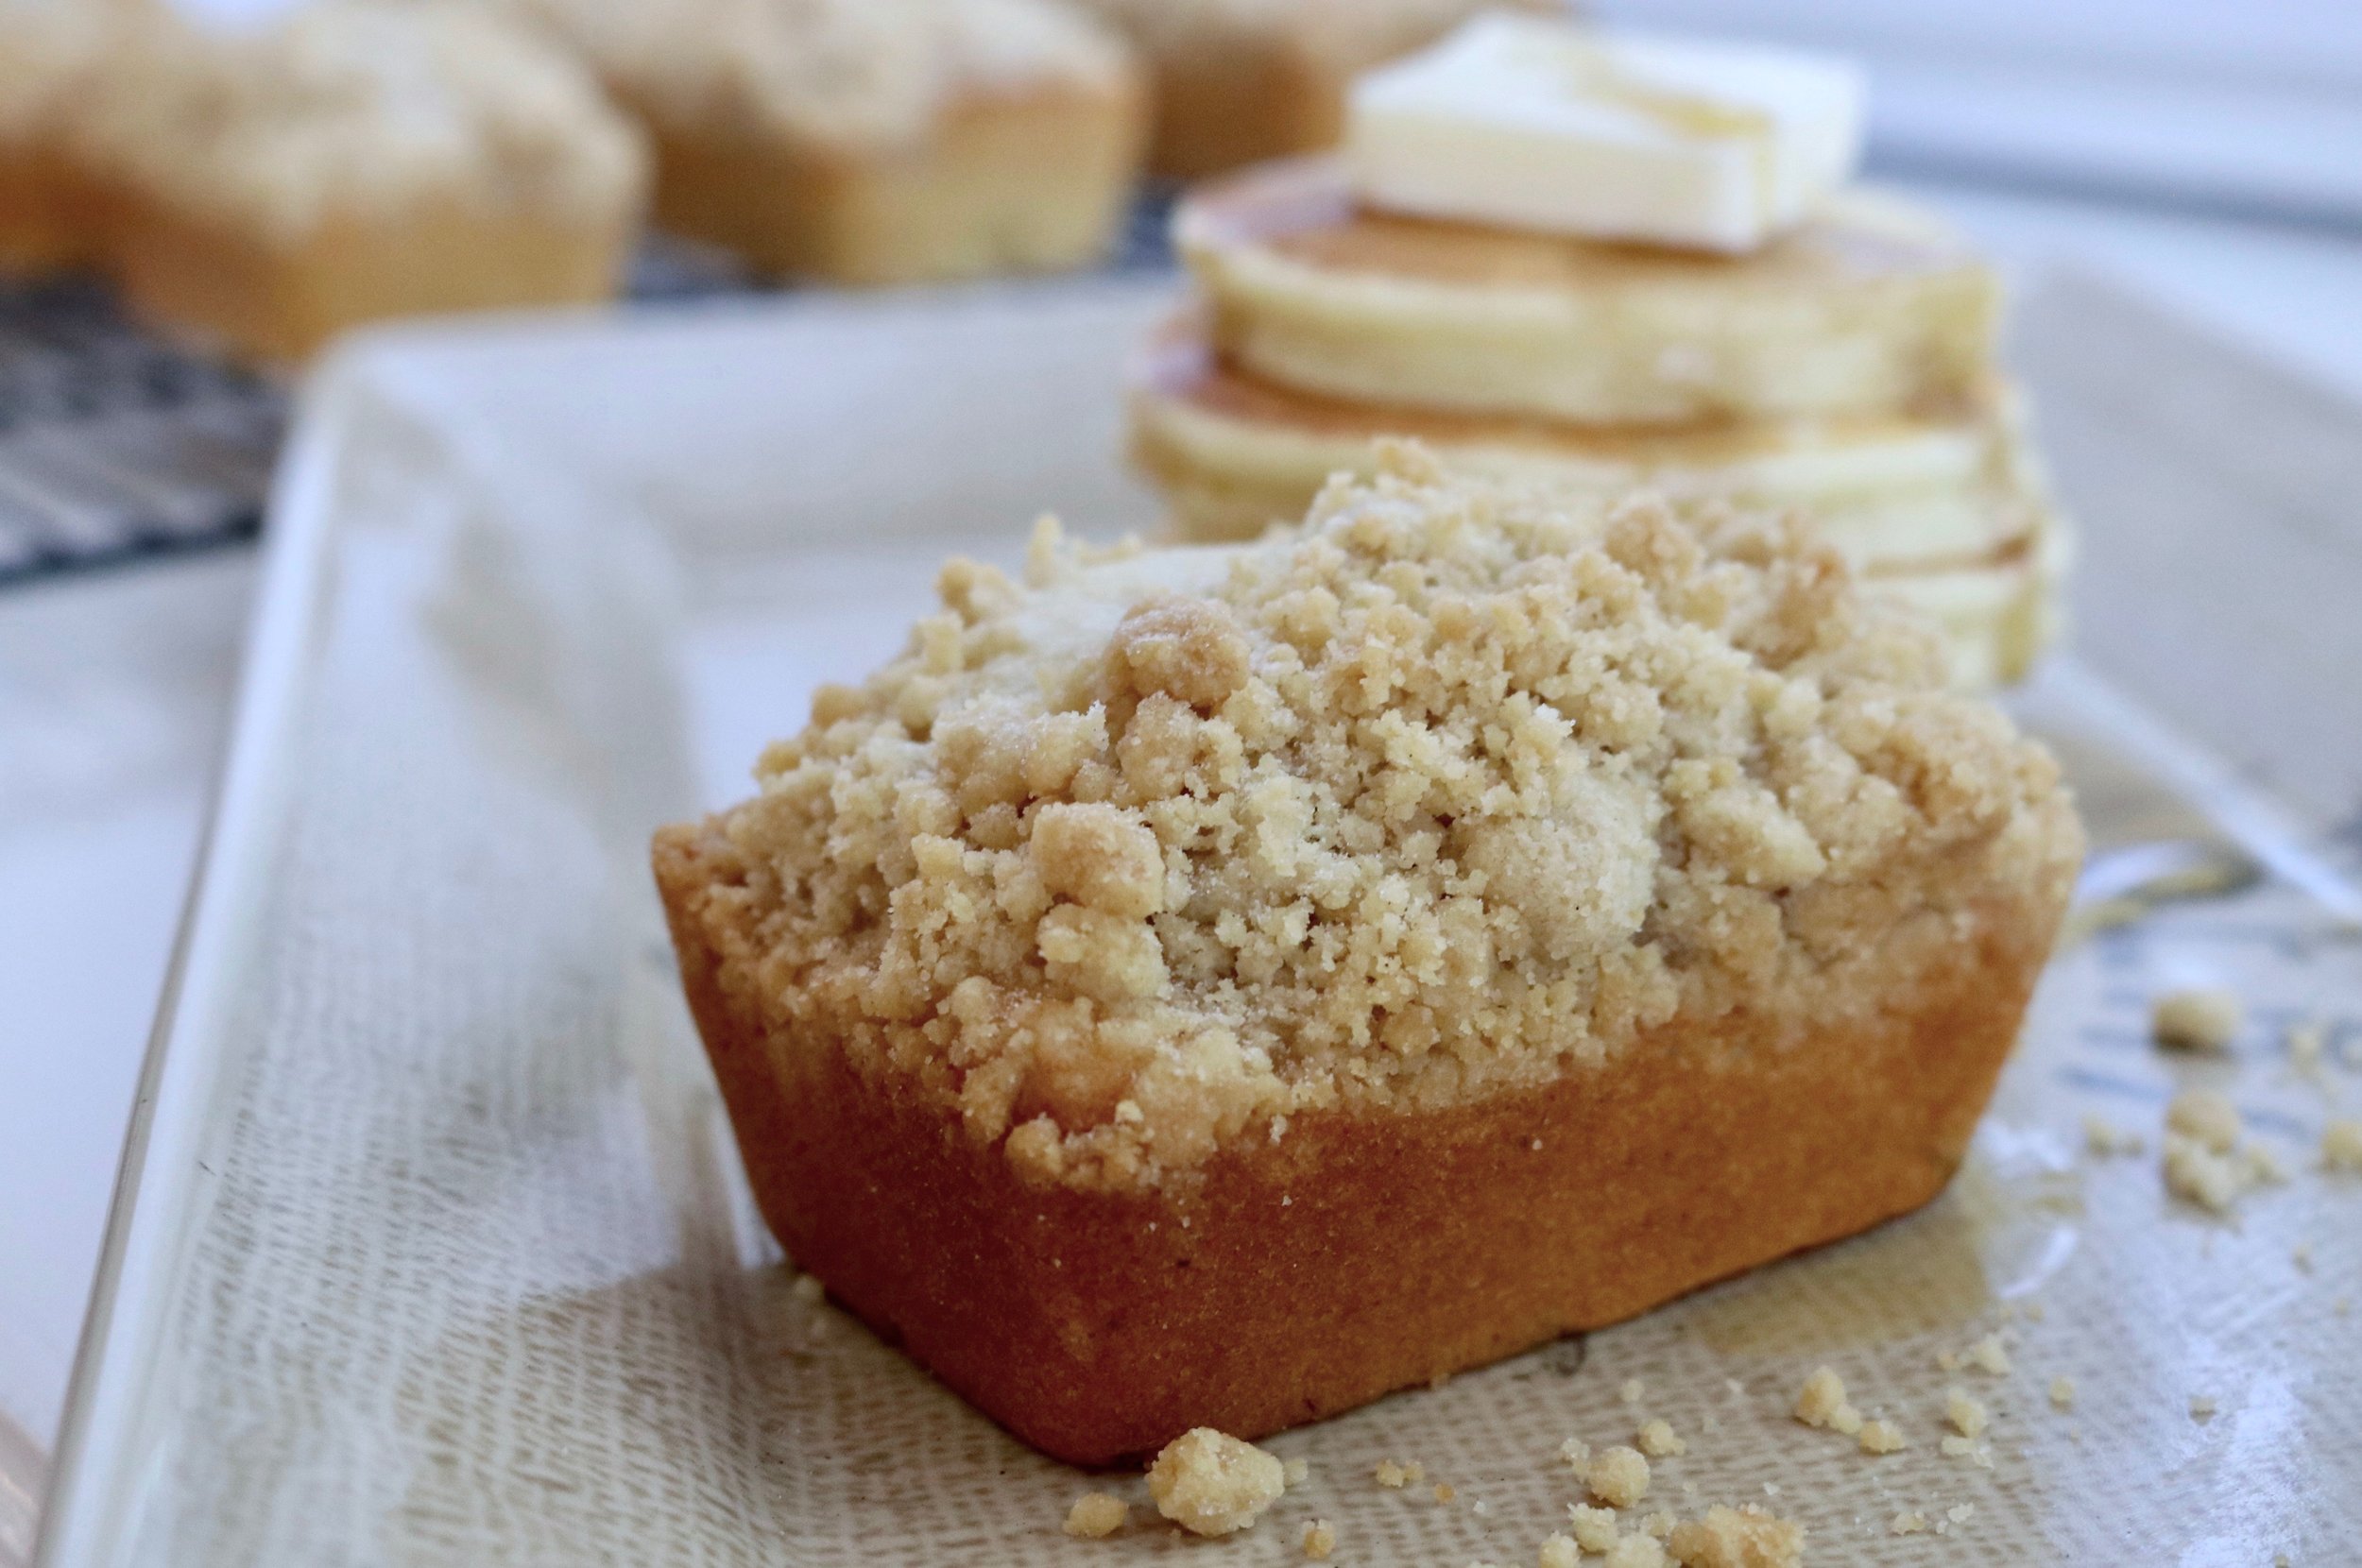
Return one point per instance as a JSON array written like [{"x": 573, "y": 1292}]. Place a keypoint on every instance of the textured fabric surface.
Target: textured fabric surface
[{"x": 478, "y": 1283}]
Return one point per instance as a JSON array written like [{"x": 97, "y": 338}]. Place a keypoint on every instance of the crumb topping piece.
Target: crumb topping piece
[
  {"x": 2104, "y": 1140},
  {"x": 1882, "y": 1437},
  {"x": 1966, "y": 1414},
  {"x": 1595, "y": 1528},
  {"x": 1097, "y": 1515},
  {"x": 1617, "y": 1477},
  {"x": 2341, "y": 1145},
  {"x": 1635, "y": 1551},
  {"x": 1559, "y": 1550},
  {"x": 1910, "y": 1522},
  {"x": 1822, "y": 1403},
  {"x": 2205, "y": 1018},
  {"x": 1745, "y": 1537},
  {"x": 1988, "y": 1354},
  {"x": 1658, "y": 1441},
  {"x": 1450, "y": 792},
  {"x": 1210, "y": 1483},
  {"x": 2063, "y": 1393},
  {"x": 2206, "y": 1116},
  {"x": 1320, "y": 1539}
]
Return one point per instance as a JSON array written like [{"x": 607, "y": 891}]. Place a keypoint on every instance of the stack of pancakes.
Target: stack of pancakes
[{"x": 1845, "y": 369}]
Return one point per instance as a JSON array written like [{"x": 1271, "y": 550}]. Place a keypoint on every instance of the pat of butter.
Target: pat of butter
[{"x": 1525, "y": 122}]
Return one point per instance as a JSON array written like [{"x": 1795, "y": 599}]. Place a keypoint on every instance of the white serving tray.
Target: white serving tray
[{"x": 640, "y": 544}]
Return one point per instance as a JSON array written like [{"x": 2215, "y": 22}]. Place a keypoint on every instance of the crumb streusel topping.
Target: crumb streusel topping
[
  {"x": 855, "y": 72},
  {"x": 360, "y": 106},
  {"x": 1450, "y": 792}
]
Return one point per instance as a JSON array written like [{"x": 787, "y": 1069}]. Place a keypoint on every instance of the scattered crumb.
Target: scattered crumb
[
  {"x": 1210, "y": 1483},
  {"x": 2063, "y": 1393},
  {"x": 1297, "y": 1470},
  {"x": 1446, "y": 1491},
  {"x": 1632, "y": 1390},
  {"x": 2341, "y": 1145},
  {"x": 1595, "y": 1528},
  {"x": 1882, "y": 1437},
  {"x": 1822, "y": 1401},
  {"x": 1659, "y": 1524},
  {"x": 1910, "y": 1524},
  {"x": 2205, "y": 1115},
  {"x": 2301, "y": 1255},
  {"x": 1481, "y": 1508},
  {"x": 2308, "y": 1043},
  {"x": 2104, "y": 1140},
  {"x": 1739, "y": 1537},
  {"x": 1846, "y": 1420},
  {"x": 1635, "y": 1551},
  {"x": 2198, "y": 1175},
  {"x": 1961, "y": 1514},
  {"x": 2201, "y": 1407},
  {"x": 1097, "y": 1515},
  {"x": 1987, "y": 1355},
  {"x": 2265, "y": 1167},
  {"x": 1948, "y": 1360},
  {"x": 2195, "y": 1018},
  {"x": 1957, "y": 1447},
  {"x": 1559, "y": 1551},
  {"x": 1658, "y": 1441},
  {"x": 1771, "y": 1489},
  {"x": 1389, "y": 1473},
  {"x": 1577, "y": 1454},
  {"x": 1320, "y": 1539},
  {"x": 1965, "y": 1414},
  {"x": 1618, "y": 1477}
]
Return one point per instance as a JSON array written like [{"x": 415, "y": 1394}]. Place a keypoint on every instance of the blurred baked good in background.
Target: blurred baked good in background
[
  {"x": 1241, "y": 80},
  {"x": 357, "y": 160},
  {"x": 875, "y": 141},
  {"x": 49, "y": 51}
]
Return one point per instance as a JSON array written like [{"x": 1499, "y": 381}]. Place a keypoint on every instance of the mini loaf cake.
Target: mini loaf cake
[
  {"x": 361, "y": 159},
  {"x": 48, "y": 50},
  {"x": 875, "y": 141},
  {"x": 1214, "y": 987},
  {"x": 1241, "y": 80}
]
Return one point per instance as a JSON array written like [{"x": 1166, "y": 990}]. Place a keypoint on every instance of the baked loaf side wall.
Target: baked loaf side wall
[{"x": 1363, "y": 1251}]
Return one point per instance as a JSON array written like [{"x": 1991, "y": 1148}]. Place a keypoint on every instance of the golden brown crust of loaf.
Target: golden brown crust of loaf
[{"x": 1373, "y": 1249}]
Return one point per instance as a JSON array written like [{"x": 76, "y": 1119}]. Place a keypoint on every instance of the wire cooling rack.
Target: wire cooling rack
[{"x": 117, "y": 446}]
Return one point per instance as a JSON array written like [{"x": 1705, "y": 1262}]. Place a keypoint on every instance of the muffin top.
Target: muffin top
[
  {"x": 364, "y": 108},
  {"x": 859, "y": 73},
  {"x": 1449, "y": 791},
  {"x": 48, "y": 49}
]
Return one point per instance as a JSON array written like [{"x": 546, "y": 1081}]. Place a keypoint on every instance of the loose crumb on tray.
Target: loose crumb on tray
[
  {"x": 1882, "y": 1437},
  {"x": 1297, "y": 1468},
  {"x": 2196, "y": 1018},
  {"x": 1632, "y": 1391},
  {"x": 2201, "y": 1407},
  {"x": 1095, "y": 1515},
  {"x": 2063, "y": 1393},
  {"x": 1987, "y": 1355},
  {"x": 1635, "y": 1551},
  {"x": 1559, "y": 1550},
  {"x": 2208, "y": 1118},
  {"x": 2104, "y": 1140},
  {"x": 1210, "y": 1483},
  {"x": 1619, "y": 1477},
  {"x": 1658, "y": 1441},
  {"x": 1748, "y": 1537},
  {"x": 2199, "y": 1175},
  {"x": 1910, "y": 1522},
  {"x": 2341, "y": 1145},
  {"x": 1320, "y": 1539},
  {"x": 1595, "y": 1528}
]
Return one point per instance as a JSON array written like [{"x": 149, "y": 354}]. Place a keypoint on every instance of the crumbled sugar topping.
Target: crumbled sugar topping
[
  {"x": 359, "y": 107},
  {"x": 1960, "y": 1512},
  {"x": 2063, "y": 1393},
  {"x": 1595, "y": 1528},
  {"x": 1957, "y": 1447},
  {"x": 1745, "y": 1537},
  {"x": 1632, "y": 1392},
  {"x": 1559, "y": 1550},
  {"x": 1577, "y": 1454},
  {"x": 1988, "y": 1354},
  {"x": 1210, "y": 1483},
  {"x": 1822, "y": 1401},
  {"x": 1095, "y": 1515},
  {"x": 2206, "y": 1116},
  {"x": 1389, "y": 1473},
  {"x": 1658, "y": 1441},
  {"x": 1966, "y": 1415},
  {"x": 1320, "y": 1539},
  {"x": 1635, "y": 1551},
  {"x": 1882, "y": 1437},
  {"x": 1910, "y": 1522},
  {"x": 1296, "y": 1470},
  {"x": 853, "y": 72},
  {"x": 1617, "y": 1477},
  {"x": 2196, "y": 1018},
  {"x": 1446, "y": 1491},
  {"x": 2201, "y": 1407},
  {"x": 2341, "y": 1145},
  {"x": 1659, "y": 1524},
  {"x": 2200, "y": 1175},
  {"x": 2104, "y": 1140},
  {"x": 1454, "y": 790}
]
